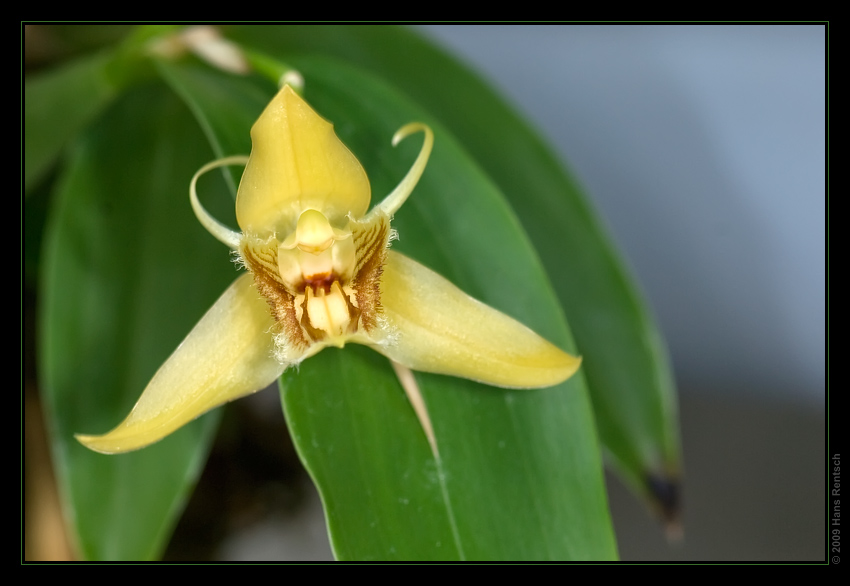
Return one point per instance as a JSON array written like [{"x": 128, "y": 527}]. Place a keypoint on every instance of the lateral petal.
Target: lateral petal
[
  {"x": 228, "y": 354},
  {"x": 441, "y": 329},
  {"x": 297, "y": 163}
]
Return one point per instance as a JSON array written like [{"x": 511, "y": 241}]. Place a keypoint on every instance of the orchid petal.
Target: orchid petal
[
  {"x": 228, "y": 354},
  {"x": 297, "y": 163},
  {"x": 391, "y": 204},
  {"x": 220, "y": 231},
  {"x": 440, "y": 329}
]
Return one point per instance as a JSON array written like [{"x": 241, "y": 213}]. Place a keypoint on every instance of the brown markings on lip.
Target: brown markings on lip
[
  {"x": 371, "y": 244},
  {"x": 262, "y": 262}
]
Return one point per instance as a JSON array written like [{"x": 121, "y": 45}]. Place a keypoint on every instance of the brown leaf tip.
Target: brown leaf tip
[{"x": 665, "y": 494}]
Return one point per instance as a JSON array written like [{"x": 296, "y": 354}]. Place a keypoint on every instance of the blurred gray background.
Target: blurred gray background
[{"x": 703, "y": 149}]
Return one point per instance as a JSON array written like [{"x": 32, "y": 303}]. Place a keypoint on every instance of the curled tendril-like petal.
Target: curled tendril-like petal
[
  {"x": 221, "y": 232},
  {"x": 391, "y": 204}
]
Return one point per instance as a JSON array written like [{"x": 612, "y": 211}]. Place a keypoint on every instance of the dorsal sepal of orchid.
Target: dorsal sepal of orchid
[{"x": 297, "y": 163}]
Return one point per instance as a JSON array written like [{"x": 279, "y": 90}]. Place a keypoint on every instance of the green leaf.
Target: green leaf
[
  {"x": 121, "y": 287},
  {"x": 625, "y": 359},
  {"x": 58, "y": 105},
  {"x": 519, "y": 476}
]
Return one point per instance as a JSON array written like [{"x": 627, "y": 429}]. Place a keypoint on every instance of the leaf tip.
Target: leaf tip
[{"x": 665, "y": 496}]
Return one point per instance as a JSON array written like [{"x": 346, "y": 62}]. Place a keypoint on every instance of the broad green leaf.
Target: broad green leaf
[
  {"x": 624, "y": 356},
  {"x": 122, "y": 285},
  {"x": 59, "y": 104},
  {"x": 519, "y": 475}
]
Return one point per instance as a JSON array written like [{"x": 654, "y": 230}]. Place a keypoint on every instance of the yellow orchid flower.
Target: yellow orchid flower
[{"x": 320, "y": 274}]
